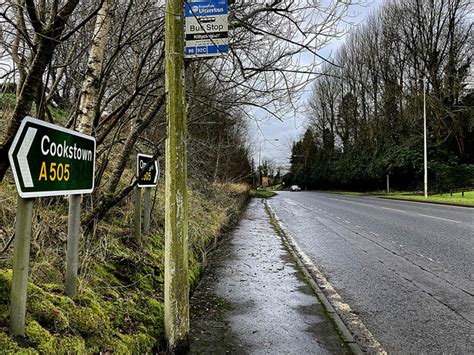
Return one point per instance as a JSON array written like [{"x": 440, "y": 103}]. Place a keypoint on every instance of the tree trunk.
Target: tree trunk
[
  {"x": 47, "y": 40},
  {"x": 27, "y": 96},
  {"x": 88, "y": 104},
  {"x": 130, "y": 143}
]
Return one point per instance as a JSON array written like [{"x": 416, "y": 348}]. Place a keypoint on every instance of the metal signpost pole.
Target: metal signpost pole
[
  {"x": 176, "y": 194},
  {"x": 425, "y": 145},
  {"x": 20, "y": 266},
  {"x": 72, "y": 249},
  {"x": 47, "y": 160},
  {"x": 388, "y": 184},
  {"x": 260, "y": 164},
  {"x": 147, "y": 210},
  {"x": 137, "y": 230}
]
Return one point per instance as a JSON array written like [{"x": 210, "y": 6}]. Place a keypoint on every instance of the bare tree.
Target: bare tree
[
  {"x": 377, "y": 88},
  {"x": 41, "y": 27}
]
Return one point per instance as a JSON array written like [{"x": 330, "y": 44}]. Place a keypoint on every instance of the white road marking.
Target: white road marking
[
  {"x": 443, "y": 219},
  {"x": 357, "y": 203},
  {"x": 393, "y": 209}
]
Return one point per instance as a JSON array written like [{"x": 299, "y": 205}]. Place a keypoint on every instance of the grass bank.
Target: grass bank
[
  {"x": 455, "y": 199},
  {"x": 263, "y": 193},
  {"x": 446, "y": 198},
  {"x": 119, "y": 307}
]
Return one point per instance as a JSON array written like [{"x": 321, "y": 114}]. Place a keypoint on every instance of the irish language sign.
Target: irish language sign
[
  {"x": 147, "y": 177},
  {"x": 49, "y": 160}
]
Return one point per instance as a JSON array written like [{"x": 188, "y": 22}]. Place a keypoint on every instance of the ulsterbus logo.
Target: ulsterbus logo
[{"x": 206, "y": 10}]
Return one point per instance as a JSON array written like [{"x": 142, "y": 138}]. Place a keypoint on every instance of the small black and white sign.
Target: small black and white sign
[{"x": 148, "y": 177}]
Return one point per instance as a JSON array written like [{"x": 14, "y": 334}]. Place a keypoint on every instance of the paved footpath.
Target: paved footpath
[{"x": 253, "y": 300}]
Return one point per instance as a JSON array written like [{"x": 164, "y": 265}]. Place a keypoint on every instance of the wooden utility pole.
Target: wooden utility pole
[{"x": 176, "y": 198}]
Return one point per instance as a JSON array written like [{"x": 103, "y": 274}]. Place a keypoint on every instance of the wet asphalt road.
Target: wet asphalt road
[
  {"x": 406, "y": 268},
  {"x": 253, "y": 300}
]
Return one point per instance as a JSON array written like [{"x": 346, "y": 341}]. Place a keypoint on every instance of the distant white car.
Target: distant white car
[{"x": 295, "y": 188}]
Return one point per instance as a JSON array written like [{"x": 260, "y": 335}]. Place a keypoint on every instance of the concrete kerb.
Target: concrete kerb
[{"x": 356, "y": 335}]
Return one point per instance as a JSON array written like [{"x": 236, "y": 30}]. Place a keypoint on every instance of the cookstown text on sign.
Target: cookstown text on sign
[{"x": 64, "y": 150}]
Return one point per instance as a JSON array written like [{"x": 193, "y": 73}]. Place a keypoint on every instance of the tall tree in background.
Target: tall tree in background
[{"x": 367, "y": 112}]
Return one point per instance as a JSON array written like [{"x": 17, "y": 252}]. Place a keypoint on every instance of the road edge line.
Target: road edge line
[
  {"x": 439, "y": 203},
  {"x": 356, "y": 334}
]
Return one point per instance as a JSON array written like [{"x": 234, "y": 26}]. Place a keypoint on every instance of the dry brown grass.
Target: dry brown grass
[{"x": 239, "y": 188}]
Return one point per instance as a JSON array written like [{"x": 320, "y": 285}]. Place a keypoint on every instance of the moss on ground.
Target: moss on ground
[{"x": 119, "y": 307}]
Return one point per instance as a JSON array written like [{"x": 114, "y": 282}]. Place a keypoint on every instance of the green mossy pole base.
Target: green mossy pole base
[
  {"x": 20, "y": 266},
  {"x": 176, "y": 196}
]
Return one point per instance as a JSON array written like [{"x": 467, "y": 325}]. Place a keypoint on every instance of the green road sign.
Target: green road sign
[
  {"x": 49, "y": 160},
  {"x": 149, "y": 178}
]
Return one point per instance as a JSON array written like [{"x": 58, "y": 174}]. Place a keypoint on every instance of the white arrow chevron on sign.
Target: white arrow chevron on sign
[{"x": 22, "y": 153}]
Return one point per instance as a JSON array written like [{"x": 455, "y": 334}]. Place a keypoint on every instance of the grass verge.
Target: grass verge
[
  {"x": 455, "y": 199},
  {"x": 119, "y": 308},
  {"x": 447, "y": 199},
  {"x": 262, "y": 193}
]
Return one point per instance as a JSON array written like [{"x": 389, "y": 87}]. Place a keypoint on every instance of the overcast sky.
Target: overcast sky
[{"x": 264, "y": 130}]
